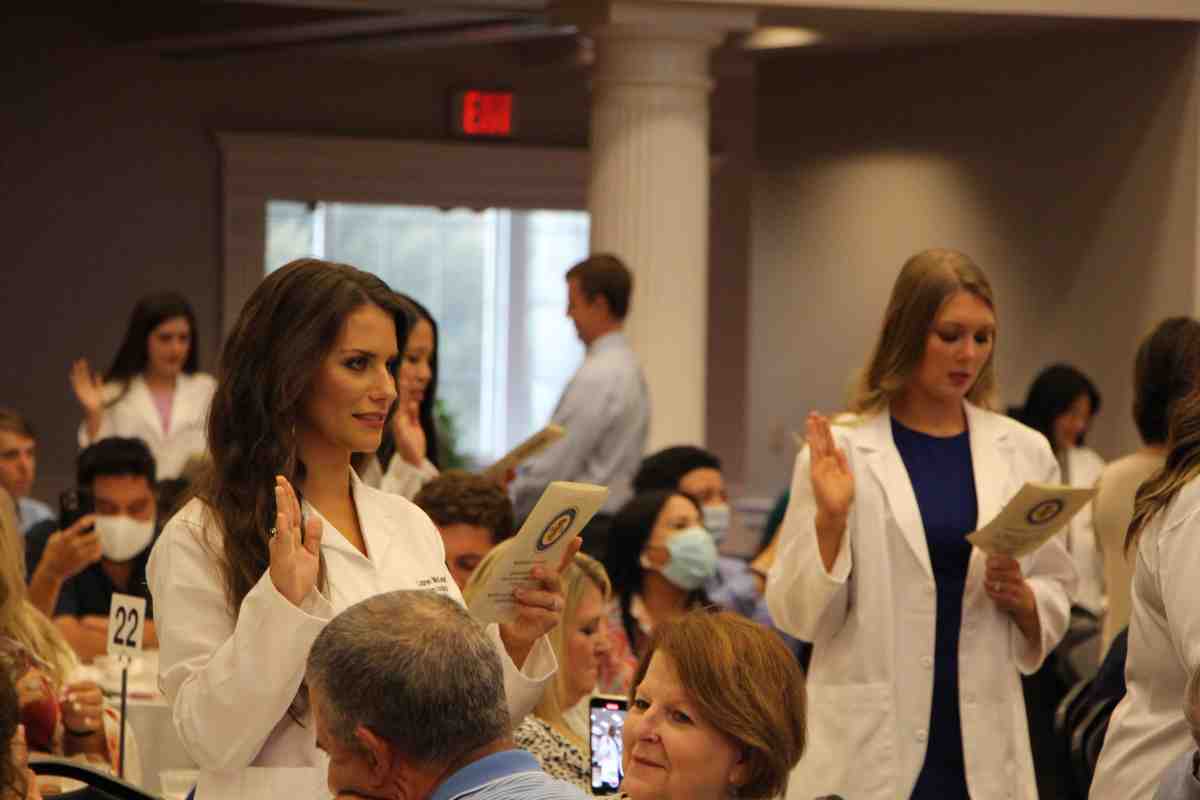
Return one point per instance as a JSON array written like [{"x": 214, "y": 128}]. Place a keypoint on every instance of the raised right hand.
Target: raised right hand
[
  {"x": 832, "y": 481},
  {"x": 88, "y": 386},
  {"x": 70, "y": 552},
  {"x": 295, "y": 559},
  {"x": 410, "y": 436}
]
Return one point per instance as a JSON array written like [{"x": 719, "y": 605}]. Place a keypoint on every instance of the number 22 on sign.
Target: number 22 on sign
[{"x": 126, "y": 622}]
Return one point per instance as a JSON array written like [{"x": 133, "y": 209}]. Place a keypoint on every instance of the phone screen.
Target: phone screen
[
  {"x": 606, "y": 723},
  {"x": 73, "y": 504}
]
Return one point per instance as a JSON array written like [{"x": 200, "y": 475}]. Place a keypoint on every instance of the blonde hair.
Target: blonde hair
[
  {"x": 745, "y": 683},
  {"x": 1191, "y": 704},
  {"x": 926, "y": 282},
  {"x": 19, "y": 620},
  {"x": 1181, "y": 466},
  {"x": 582, "y": 572}
]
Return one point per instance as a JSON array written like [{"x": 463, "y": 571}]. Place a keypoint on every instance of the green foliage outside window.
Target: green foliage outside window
[{"x": 449, "y": 454}]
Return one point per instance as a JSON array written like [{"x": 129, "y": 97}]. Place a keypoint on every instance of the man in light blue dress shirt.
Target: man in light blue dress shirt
[
  {"x": 18, "y": 468},
  {"x": 605, "y": 409},
  {"x": 407, "y": 695}
]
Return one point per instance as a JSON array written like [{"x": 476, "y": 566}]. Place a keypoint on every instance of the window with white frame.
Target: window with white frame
[{"x": 492, "y": 279}]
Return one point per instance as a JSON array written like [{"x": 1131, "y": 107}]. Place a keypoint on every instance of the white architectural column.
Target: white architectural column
[{"x": 648, "y": 192}]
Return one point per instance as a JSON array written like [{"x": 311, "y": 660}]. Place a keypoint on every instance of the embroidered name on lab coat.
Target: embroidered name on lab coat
[{"x": 437, "y": 583}]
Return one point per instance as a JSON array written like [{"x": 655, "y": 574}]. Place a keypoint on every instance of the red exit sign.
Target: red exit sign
[{"x": 487, "y": 113}]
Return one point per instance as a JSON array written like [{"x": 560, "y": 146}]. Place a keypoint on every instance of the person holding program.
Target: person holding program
[{"x": 919, "y": 638}]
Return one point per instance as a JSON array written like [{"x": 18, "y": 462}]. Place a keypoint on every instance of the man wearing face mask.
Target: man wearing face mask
[
  {"x": 75, "y": 572},
  {"x": 697, "y": 473}
]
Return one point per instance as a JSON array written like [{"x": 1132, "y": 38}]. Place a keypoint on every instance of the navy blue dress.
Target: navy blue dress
[{"x": 944, "y": 482}]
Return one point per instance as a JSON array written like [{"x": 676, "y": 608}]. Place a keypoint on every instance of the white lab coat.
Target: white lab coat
[
  {"x": 401, "y": 478},
  {"x": 230, "y": 681},
  {"x": 872, "y": 621},
  {"x": 136, "y": 416},
  {"x": 1148, "y": 730},
  {"x": 1083, "y": 470}
]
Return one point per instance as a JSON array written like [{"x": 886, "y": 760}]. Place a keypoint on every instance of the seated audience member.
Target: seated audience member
[
  {"x": 659, "y": 559},
  {"x": 18, "y": 468},
  {"x": 697, "y": 473},
  {"x": 472, "y": 513},
  {"x": 1163, "y": 373},
  {"x": 17, "y": 781},
  {"x": 1181, "y": 780},
  {"x": 61, "y": 716},
  {"x": 580, "y": 643},
  {"x": 407, "y": 698},
  {"x": 716, "y": 710},
  {"x": 76, "y": 571}
]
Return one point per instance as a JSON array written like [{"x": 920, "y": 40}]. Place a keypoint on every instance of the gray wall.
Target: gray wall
[
  {"x": 1066, "y": 165},
  {"x": 112, "y": 185}
]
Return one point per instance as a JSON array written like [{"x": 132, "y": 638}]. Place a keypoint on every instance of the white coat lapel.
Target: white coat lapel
[
  {"x": 874, "y": 439},
  {"x": 379, "y": 529},
  {"x": 179, "y": 400},
  {"x": 139, "y": 394},
  {"x": 991, "y": 460}
]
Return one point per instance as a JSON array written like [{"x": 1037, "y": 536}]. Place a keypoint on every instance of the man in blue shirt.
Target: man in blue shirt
[
  {"x": 18, "y": 468},
  {"x": 605, "y": 408},
  {"x": 407, "y": 695}
]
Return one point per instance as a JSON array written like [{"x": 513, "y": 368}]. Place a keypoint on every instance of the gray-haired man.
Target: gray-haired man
[{"x": 407, "y": 695}]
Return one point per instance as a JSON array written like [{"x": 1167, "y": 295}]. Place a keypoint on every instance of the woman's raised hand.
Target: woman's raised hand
[
  {"x": 832, "y": 481},
  {"x": 295, "y": 553},
  {"x": 88, "y": 387},
  {"x": 410, "y": 436}
]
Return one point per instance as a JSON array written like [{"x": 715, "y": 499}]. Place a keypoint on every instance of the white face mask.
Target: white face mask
[
  {"x": 122, "y": 537},
  {"x": 717, "y": 519}
]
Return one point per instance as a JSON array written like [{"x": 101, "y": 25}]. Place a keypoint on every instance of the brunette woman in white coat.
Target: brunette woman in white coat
[
  {"x": 247, "y": 574},
  {"x": 1061, "y": 404},
  {"x": 919, "y": 639},
  {"x": 152, "y": 391},
  {"x": 1148, "y": 730}
]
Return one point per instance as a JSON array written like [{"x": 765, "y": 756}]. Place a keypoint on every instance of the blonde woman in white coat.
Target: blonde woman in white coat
[
  {"x": 152, "y": 391},
  {"x": 249, "y": 572},
  {"x": 919, "y": 639},
  {"x": 1148, "y": 731}
]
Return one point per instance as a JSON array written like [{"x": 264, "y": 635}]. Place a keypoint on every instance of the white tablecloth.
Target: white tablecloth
[{"x": 149, "y": 718}]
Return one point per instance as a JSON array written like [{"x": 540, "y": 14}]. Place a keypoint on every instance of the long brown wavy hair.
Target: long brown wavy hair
[
  {"x": 926, "y": 282},
  {"x": 1182, "y": 465},
  {"x": 285, "y": 331}
]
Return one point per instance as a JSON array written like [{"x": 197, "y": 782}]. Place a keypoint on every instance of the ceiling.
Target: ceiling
[{"x": 224, "y": 28}]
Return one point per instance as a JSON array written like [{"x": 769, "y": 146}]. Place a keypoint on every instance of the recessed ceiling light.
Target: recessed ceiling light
[{"x": 778, "y": 37}]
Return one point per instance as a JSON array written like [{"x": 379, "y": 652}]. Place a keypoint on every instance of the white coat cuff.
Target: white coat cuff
[
  {"x": 1029, "y": 657},
  {"x": 313, "y": 609},
  {"x": 841, "y": 565}
]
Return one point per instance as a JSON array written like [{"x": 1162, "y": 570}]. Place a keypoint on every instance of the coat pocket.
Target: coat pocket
[{"x": 852, "y": 743}]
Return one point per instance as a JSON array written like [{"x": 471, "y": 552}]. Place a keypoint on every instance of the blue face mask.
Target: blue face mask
[
  {"x": 716, "y": 519},
  {"x": 693, "y": 558}
]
